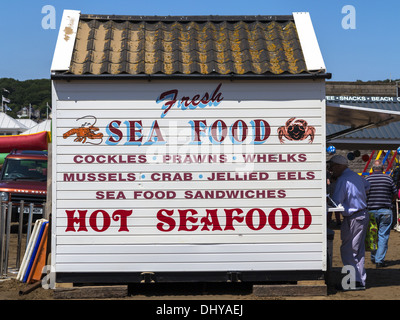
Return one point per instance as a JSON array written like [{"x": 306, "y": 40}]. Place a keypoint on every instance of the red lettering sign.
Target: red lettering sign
[
  {"x": 186, "y": 102},
  {"x": 188, "y": 220},
  {"x": 102, "y": 215},
  {"x": 255, "y": 219}
]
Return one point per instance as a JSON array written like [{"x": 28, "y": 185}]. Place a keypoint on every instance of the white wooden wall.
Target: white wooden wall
[{"x": 143, "y": 247}]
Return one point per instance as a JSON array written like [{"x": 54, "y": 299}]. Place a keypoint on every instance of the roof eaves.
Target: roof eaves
[
  {"x": 308, "y": 41},
  {"x": 65, "y": 41},
  {"x": 149, "y": 77}
]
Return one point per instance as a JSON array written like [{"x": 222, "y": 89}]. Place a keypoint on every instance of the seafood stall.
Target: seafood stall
[{"x": 188, "y": 149}]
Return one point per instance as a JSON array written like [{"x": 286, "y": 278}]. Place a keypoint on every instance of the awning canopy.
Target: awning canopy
[{"x": 356, "y": 118}]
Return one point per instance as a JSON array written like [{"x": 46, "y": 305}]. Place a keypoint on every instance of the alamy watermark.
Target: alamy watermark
[
  {"x": 49, "y": 20},
  {"x": 349, "y": 280},
  {"x": 49, "y": 279},
  {"x": 349, "y": 20}
]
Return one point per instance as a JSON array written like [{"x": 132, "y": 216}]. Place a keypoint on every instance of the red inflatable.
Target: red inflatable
[{"x": 34, "y": 141}]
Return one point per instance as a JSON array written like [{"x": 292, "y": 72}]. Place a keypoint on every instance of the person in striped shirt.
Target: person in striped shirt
[{"x": 379, "y": 200}]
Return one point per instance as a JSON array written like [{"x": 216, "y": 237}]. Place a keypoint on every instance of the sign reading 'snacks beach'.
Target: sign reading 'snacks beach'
[{"x": 236, "y": 166}]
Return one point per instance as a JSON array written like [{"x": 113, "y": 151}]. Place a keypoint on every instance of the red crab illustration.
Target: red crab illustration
[{"x": 296, "y": 130}]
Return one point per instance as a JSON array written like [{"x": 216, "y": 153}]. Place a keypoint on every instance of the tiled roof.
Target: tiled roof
[{"x": 203, "y": 45}]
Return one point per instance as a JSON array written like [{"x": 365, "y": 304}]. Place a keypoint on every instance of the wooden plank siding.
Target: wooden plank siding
[{"x": 232, "y": 227}]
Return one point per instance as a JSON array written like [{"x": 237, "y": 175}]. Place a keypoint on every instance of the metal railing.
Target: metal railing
[{"x": 5, "y": 232}]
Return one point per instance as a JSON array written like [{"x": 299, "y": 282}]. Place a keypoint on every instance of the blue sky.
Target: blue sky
[{"x": 369, "y": 52}]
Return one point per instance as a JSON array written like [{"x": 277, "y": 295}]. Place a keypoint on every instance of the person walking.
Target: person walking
[
  {"x": 380, "y": 198},
  {"x": 351, "y": 192}
]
